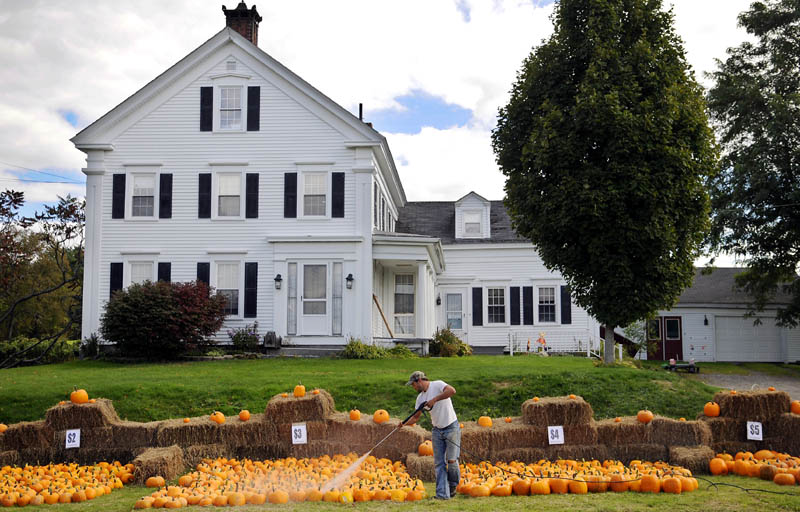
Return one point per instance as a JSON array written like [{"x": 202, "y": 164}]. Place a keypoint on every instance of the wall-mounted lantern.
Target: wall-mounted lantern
[
  {"x": 349, "y": 281},
  {"x": 278, "y": 281}
]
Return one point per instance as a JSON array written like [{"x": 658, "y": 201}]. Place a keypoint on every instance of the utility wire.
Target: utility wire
[
  {"x": 42, "y": 172},
  {"x": 42, "y": 181}
]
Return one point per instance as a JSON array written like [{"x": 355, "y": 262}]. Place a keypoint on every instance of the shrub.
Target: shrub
[
  {"x": 400, "y": 352},
  {"x": 245, "y": 339},
  {"x": 62, "y": 350},
  {"x": 162, "y": 320},
  {"x": 356, "y": 349},
  {"x": 90, "y": 347},
  {"x": 446, "y": 344}
]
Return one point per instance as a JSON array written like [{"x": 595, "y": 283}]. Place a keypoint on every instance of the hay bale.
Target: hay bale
[
  {"x": 628, "y": 431},
  {"x": 91, "y": 438},
  {"x": 526, "y": 455},
  {"x": 551, "y": 411},
  {"x": 693, "y": 458},
  {"x": 69, "y": 415},
  {"x": 759, "y": 405},
  {"x": 785, "y": 429},
  {"x": 644, "y": 452},
  {"x": 28, "y": 434},
  {"x": 733, "y": 447},
  {"x": 36, "y": 456},
  {"x": 91, "y": 456},
  {"x": 131, "y": 434},
  {"x": 202, "y": 430},
  {"x": 293, "y": 410},
  {"x": 506, "y": 436},
  {"x": 421, "y": 466},
  {"x": 10, "y": 458},
  {"x": 167, "y": 462},
  {"x": 679, "y": 433},
  {"x": 475, "y": 442},
  {"x": 725, "y": 429},
  {"x": 193, "y": 455},
  {"x": 577, "y": 452},
  {"x": 315, "y": 431}
]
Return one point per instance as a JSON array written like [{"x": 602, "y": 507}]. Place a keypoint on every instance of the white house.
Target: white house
[{"x": 231, "y": 169}]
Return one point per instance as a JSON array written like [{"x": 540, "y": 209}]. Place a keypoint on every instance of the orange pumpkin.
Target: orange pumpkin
[
  {"x": 355, "y": 414},
  {"x": 315, "y": 392},
  {"x": 217, "y": 417},
  {"x": 795, "y": 408},
  {"x": 154, "y": 481},
  {"x": 3, "y": 427},
  {"x": 771, "y": 388},
  {"x": 380, "y": 416},
  {"x": 540, "y": 486},
  {"x": 244, "y": 415},
  {"x": 681, "y": 419},
  {"x": 711, "y": 409},
  {"x": 186, "y": 420},
  {"x": 671, "y": 485},
  {"x": 79, "y": 396},
  {"x": 508, "y": 419},
  {"x": 285, "y": 395},
  {"x": 425, "y": 448},
  {"x": 299, "y": 391},
  {"x": 650, "y": 483},
  {"x": 617, "y": 419},
  {"x": 718, "y": 466},
  {"x": 536, "y": 399},
  {"x": 784, "y": 479},
  {"x": 644, "y": 416},
  {"x": 572, "y": 397},
  {"x": 479, "y": 491},
  {"x": 485, "y": 421},
  {"x": 522, "y": 487},
  {"x": 733, "y": 391}
]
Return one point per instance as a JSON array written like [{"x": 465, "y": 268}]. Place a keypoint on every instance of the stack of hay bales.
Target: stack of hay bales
[
  {"x": 770, "y": 408},
  {"x": 167, "y": 462}
]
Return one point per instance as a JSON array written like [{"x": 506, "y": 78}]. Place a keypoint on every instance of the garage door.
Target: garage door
[{"x": 737, "y": 339}]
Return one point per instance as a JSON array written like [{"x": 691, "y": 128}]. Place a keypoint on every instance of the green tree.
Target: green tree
[
  {"x": 605, "y": 145},
  {"x": 755, "y": 105}
]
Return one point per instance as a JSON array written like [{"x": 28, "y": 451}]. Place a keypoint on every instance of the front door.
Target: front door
[
  {"x": 455, "y": 305},
  {"x": 673, "y": 341},
  {"x": 313, "y": 284}
]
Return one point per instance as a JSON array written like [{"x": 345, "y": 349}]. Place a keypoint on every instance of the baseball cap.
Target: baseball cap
[{"x": 416, "y": 376}]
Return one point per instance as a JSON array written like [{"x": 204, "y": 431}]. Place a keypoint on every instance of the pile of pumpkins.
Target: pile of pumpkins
[
  {"x": 232, "y": 482},
  {"x": 60, "y": 483},
  {"x": 571, "y": 476},
  {"x": 781, "y": 468}
]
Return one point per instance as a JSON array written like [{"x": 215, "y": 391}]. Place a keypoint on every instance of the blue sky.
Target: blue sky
[{"x": 419, "y": 109}]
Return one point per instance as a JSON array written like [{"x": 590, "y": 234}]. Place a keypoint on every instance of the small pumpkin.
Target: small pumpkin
[
  {"x": 784, "y": 479},
  {"x": 79, "y": 396},
  {"x": 572, "y": 397},
  {"x": 244, "y": 415},
  {"x": 795, "y": 407},
  {"x": 771, "y": 388},
  {"x": 285, "y": 395},
  {"x": 186, "y": 420},
  {"x": 299, "y": 391},
  {"x": 3, "y": 427},
  {"x": 644, "y": 416},
  {"x": 217, "y": 417},
  {"x": 92, "y": 400},
  {"x": 681, "y": 419},
  {"x": 733, "y": 391},
  {"x": 380, "y": 416},
  {"x": 484, "y": 421},
  {"x": 355, "y": 414},
  {"x": 315, "y": 392},
  {"x": 671, "y": 485},
  {"x": 154, "y": 481},
  {"x": 508, "y": 419},
  {"x": 425, "y": 448},
  {"x": 617, "y": 419},
  {"x": 711, "y": 409}
]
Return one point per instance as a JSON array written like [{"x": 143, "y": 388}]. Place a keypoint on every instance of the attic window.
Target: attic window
[
  {"x": 230, "y": 65},
  {"x": 472, "y": 224}
]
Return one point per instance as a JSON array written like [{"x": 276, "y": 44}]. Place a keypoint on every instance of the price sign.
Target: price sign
[
  {"x": 755, "y": 431},
  {"x": 73, "y": 438},
  {"x": 299, "y": 433},
  {"x": 555, "y": 435}
]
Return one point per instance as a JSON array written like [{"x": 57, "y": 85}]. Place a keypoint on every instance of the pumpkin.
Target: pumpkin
[
  {"x": 279, "y": 496},
  {"x": 460, "y": 425},
  {"x": 244, "y": 415},
  {"x": 3, "y": 427},
  {"x": 733, "y": 391},
  {"x": 479, "y": 491},
  {"x": 217, "y": 417},
  {"x": 644, "y": 416},
  {"x": 711, "y": 409},
  {"x": 671, "y": 485},
  {"x": 314, "y": 495},
  {"x": 355, "y": 414},
  {"x": 717, "y": 466},
  {"x": 425, "y": 448},
  {"x": 299, "y": 391},
  {"x": 485, "y": 421},
  {"x": 650, "y": 483},
  {"x": 345, "y": 497},
  {"x": 398, "y": 495},
  {"x": 536, "y": 399},
  {"x": 154, "y": 481},
  {"x": 522, "y": 487},
  {"x": 578, "y": 486},
  {"x": 361, "y": 495},
  {"x": 285, "y": 395},
  {"x": 186, "y": 420},
  {"x": 558, "y": 486},
  {"x": 618, "y": 483},
  {"x": 315, "y": 392},
  {"x": 617, "y": 419},
  {"x": 414, "y": 495},
  {"x": 501, "y": 490},
  {"x": 380, "y": 416},
  {"x": 784, "y": 479},
  {"x": 572, "y": 397},
  {"x": 771, "y": 388},
  {"x": 681, "y": 419},
  {"x": 79, "y": 396},
  {"x": 795, "y": 408},
  {"x": 764, "y": 455}
]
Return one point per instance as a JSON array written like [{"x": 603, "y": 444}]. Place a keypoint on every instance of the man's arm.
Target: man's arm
[
  {"x": 411, "y": 421},
  {"x": 444, "y": 395}
]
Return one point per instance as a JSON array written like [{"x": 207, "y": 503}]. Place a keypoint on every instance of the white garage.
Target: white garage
[{"x": 737, "y": 339}]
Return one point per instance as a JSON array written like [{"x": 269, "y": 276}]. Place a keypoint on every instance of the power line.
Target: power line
[
  {"x": 42, "y": 172},
  {"x": 43, "y": 181}
]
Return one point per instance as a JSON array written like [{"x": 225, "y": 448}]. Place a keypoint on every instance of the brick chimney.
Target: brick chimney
[{"x": 243, "y": 20}]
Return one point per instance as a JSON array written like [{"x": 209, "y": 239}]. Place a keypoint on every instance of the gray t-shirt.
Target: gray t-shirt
[{"x": 442, "y": 413}]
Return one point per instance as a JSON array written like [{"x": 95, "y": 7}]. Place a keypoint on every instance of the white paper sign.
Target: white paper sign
[
  {"x": 299, "y": 433},
  {"x": 755, "y": 431},
  {"x": 555, "y": 435},
  {"x": 73, "y": 438}
]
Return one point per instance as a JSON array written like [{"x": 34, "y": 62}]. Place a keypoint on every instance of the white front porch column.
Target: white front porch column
[
  {"x": 361, "y": 309},
  {"x": 420, "y": 302}
]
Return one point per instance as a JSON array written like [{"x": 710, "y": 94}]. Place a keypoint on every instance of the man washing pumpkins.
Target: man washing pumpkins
[{"x": 446, "y": 434}]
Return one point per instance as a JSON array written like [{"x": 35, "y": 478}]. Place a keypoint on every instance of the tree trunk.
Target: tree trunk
[{"x": 608, "y": 349}]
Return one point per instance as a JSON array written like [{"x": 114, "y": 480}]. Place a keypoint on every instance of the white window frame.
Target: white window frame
[
  {"x": 506, "y": 305},
  {"x": 301, "y": 193},
  {"x": 129, "y": 179},
  {"x": 214, "y": 281},
  {"x": 229, "y": 79},
  {"x": 556, "y": 298},
  {"x": 215, "y": 194},
  {"x": 414, "y": 314},
  {"x": 464, "y": 233},
  {"x": 127, "y": 269}
]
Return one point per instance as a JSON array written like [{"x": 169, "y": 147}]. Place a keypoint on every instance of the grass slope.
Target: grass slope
[{"x": 491, "y": 385}]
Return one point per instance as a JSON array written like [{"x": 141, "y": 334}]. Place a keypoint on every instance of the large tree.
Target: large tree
[
  {"x": 606, "y": 146},
  {"x": 755, "y": 104}
]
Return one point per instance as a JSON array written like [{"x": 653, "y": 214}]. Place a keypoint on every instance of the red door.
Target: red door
[{"x": 673, "y": 340}]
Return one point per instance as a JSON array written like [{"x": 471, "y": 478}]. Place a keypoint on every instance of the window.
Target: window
[
  {"x": 454, "y": 310},
  {"x": 291, "y": 308},
  {"x": 547, "y": 304},
  {"x": 141, "y": 271},
  {"x": 673, "y": 328},
  {"x": 404, "y": 304},
  {"x": 375, "y": 205},
  {"x": 336, "y": 328},
  {"x": 315, "y": 192},
  {"x": 496, "y": 305},
  {"x": 230, "y": 108},
  {"x": 229, "y": 190},
  {"x": 654, "y": 329},
  {"x": 143, "y": 198},
  {"x": 472, "y": 224},
  {"x": 228, "y": 281},
  {"x": 315, "y": 289},
  {"x": 230, "y": 65}
]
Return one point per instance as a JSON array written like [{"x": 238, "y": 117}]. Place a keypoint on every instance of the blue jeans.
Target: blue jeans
[{"x": 446, "y": 448}]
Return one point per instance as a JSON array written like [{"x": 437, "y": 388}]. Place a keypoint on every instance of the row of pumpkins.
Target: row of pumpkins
[
  {"x": 571, "y": 476},
  {"x": 60, "y": 483},
  {"x": 712, "y": 409},
  {"x": 781, "y": 468},
  {"x": 231, "y": 482}
]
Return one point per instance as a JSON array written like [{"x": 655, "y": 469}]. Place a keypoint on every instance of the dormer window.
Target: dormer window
[{"x": 472, "y": 224}]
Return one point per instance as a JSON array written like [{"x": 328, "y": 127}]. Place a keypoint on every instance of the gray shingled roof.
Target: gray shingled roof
[
  {"x": 719, "y": 288},
  {"x": 438, "y": 219}
]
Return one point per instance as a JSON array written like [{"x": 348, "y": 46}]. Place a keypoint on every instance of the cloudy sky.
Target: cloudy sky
[{"x": 430, "y": 73}]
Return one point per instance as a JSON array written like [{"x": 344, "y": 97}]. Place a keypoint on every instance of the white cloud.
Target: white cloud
[{"x": 40, "y": 192}]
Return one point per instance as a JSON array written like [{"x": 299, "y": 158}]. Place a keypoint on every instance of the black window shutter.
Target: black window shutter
[
  {"x": 477, "y": 306},
  {"x": 165, "y": 271},
  {"x": 290, "y": 195},
  {"x": 253, "y": 108},
  {"x": 527, "y": 305},
  {"x": 250, "y": 289},
  {"x": 118, "y": 197},
  {"x": 206, "y": 108},
  {"x": 251, "y": 196},
  {"x": 165, "y": 196},
  {"x": 116, "y": 279},
  {"x": 515, "y": 305},
  {"x": 337, "y": 194},
  {"x": 204, "y": 272},
  {"x": 204, "y": 197},
  {"x": 566, "y": 306}
]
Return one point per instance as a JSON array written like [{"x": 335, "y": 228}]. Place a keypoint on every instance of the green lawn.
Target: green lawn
[
  {"x": 705, "y": 498},
  {"x": 492, "y": 385}
]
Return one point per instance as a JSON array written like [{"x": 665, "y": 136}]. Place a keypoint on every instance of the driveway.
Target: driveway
[{"x": 752, "y": 380}]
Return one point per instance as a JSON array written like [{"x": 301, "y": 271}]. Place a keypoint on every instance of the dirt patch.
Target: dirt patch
[
  {"x": 752, "y": 381},
  {"x": 503, "y": 385}
]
